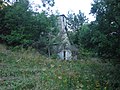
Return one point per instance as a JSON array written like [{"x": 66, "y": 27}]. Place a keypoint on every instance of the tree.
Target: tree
[
  {"x": 13, "y": 27},
  {"x": 49, "y": 2},
  {"x": 21, "y": 26},
  {"x": 108, "y": 25},
  {"x": 76, "y": 21},
  {"x": 46, "y": 33}
]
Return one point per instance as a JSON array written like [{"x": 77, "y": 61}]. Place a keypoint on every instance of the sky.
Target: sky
[{"x": 63, "y": 6}]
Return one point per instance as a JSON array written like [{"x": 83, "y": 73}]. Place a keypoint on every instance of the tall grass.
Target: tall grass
[{"x": 28, "y": 70}]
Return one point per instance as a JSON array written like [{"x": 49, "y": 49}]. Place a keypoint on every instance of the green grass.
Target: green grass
[{"x": 28, "y": 70}]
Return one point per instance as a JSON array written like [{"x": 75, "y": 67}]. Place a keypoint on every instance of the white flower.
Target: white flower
[
  {"x": 43, "y": 69},
  {"x": 59, "y": 77},
  {"x": 52, "y": 65}
]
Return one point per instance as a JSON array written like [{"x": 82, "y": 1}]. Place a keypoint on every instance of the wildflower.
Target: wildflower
[
  {"x": 97, "y": 84},
  {"x": 81, "y": 85},
  {"x": 43, "y": 69},
  {"x": 105, "y": 88},
  {"x": 52, "y": 65},
  {"x": 59, "y": 77},
  {"x": 59, "y": 65}
]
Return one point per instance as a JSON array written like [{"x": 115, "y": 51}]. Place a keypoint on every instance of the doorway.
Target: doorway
[{"x": 64, "y": 54}]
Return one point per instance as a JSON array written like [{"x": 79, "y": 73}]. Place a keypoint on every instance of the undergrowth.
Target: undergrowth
[{"x": 28, "y": 70}]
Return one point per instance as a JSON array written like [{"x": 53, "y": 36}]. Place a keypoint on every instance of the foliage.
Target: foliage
[
  {"x": 13, "y": 26},
  {"x": 21, "y": 26},
  {"x": 48, "y": 2},
  {"x": 27, "y": 69},
  {"x": 76, "y": 21},
  {"x": 103, "y": 34},
  {"x": 108, "y": 28}
]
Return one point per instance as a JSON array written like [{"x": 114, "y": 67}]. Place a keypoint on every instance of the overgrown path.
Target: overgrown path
[{"x": 27, "y": 70}]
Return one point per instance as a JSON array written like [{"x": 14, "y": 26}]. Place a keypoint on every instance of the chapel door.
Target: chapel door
[{"x": 64, "y": 54}]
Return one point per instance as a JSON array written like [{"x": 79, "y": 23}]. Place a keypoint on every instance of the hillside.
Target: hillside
[{"x": 28, "y": 70}]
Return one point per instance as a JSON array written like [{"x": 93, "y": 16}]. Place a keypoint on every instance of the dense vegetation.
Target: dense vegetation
[
  {"x": 24, "y": 68},
  {"x": 28, "y": 70},
  {"x": 20, "y": 25},
  {"x": 103, "y": 34}
]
